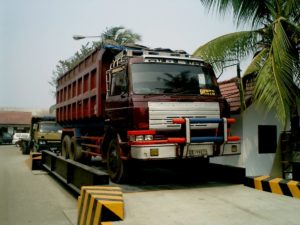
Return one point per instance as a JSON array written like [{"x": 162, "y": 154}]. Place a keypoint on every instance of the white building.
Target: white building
[{"x": 259, "y": 132}]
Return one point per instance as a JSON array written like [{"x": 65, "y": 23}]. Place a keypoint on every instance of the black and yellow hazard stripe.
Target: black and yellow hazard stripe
[
  {"x": 274, "y": 185},
  {"x": 99, "y": 204},
  {"x": 107, "y": 223}
]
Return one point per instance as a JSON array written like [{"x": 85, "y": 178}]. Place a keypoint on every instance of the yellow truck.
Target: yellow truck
[{"x": 45, "y": 134}]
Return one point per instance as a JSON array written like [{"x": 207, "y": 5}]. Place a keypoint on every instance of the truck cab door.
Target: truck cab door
[{"x": 117, "y": 100}]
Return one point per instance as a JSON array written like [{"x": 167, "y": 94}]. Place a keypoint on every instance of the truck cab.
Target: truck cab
[
  {"x": 166, "y": 106},
  {"x": 45, "y": 134}
]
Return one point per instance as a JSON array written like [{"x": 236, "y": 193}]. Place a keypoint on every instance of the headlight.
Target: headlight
[
  {"x": 42, "y": 142},
  {"x": 139, "y": 138},
  {"x": 148, "y": 137}
]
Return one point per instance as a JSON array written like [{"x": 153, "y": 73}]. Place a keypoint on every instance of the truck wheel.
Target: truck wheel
[
  {"x": 66, "y": 146},
  {"x": 117, "y": 168},
  {"x": 25, "y": 148},
  {"x": 75, "y": 150}
]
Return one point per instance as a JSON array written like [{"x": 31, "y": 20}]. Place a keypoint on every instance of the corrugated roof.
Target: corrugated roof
[
  {"x": 15, "y": 118},
  {"x": 230, "y": 91}
]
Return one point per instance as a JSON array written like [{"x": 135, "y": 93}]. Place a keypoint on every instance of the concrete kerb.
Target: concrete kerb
[
  {"x": 274, "y": 185},
  {"x": 100, "y": 204}
]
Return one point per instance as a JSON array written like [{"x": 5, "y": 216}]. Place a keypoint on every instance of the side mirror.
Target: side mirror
[{"x": 35, "y": 126}]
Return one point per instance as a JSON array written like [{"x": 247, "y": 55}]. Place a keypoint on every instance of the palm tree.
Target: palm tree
[
  {"x": 120, "y": 35},
  {"x": 274, "y": 40}
]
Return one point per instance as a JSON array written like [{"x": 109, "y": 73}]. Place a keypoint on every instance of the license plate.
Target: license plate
[
  {"x": 197, "y": 152},
  {"x": 154, "y": 152}
]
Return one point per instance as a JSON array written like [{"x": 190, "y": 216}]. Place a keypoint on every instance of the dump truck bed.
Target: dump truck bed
[{"x": 81, "y": 91}]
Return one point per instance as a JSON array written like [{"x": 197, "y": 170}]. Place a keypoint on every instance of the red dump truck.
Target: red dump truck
[{"x": 126, "y": 104}]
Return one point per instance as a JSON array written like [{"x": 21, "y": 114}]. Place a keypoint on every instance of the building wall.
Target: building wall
[
  {"x": 247, "y": 128},
  {"x": 13, "y": 127},
  {"x": 34, "y": 111}
]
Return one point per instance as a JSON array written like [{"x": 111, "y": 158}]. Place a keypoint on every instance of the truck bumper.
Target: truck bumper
[
  {"x": 154, "y": 151},
  {"x": 171, "y": 151},
  {"x": 51, "y": 145}
]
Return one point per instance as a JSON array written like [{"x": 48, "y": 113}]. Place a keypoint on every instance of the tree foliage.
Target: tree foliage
[
  {"x": 64, "y": 65},
  {"x": 120, "y": 35},
  {"x": 274, "y": 40},
  {"x": 114, "y": 35}
]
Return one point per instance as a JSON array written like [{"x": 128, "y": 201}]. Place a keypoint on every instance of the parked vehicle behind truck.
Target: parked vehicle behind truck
[
  {"x": 17, "y": 137},
  {"x": 5, "y": 138},
  {"x": 45, "y": 134},
  {"x": 129, "y": 104}
]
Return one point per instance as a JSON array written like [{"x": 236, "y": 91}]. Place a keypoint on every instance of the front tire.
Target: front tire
[
  {"x": 25, "y": 148},
  {"x": 117, "y": 168}
]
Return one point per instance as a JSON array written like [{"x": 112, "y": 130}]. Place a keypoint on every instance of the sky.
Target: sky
[{"x": 36, "y": 34}]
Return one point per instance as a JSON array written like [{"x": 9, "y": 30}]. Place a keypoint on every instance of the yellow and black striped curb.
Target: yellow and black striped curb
[
  {"x": 100, "y": 204},
  {"x": 274, "y": 185},
  {"x": 108, "y": 223}
]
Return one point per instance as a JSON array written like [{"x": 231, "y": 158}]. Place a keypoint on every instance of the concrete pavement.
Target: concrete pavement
[
  {"x": 31, "y": 197},
  {"x": 226, "y": 205},
  {"x": 36, "y": 198}
]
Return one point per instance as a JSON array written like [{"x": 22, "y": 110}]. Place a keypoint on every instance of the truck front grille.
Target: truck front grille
[{"x": 162, "y": 113}]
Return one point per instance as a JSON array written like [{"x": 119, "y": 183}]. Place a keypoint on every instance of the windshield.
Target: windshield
[
  {"x": 171, "y": 79},
  {"x": 49, "y": 127}
]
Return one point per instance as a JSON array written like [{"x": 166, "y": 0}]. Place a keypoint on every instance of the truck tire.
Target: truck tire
[
  {"x": 66, "y": 146},
  {"x": 117, "y": 168},
  {"x": 75, "y": 150},
  {"x": 25, "y": 148}
]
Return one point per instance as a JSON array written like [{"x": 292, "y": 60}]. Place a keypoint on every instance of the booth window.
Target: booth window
[{"x": 267, "y": 139}]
